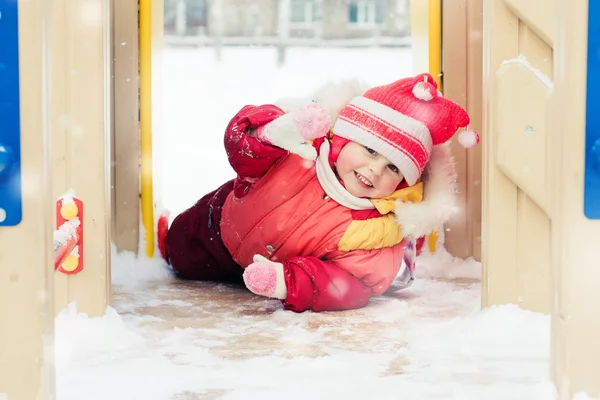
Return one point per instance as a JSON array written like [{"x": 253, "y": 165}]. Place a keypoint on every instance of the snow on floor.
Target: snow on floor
[{"x": 168, "y": 339}]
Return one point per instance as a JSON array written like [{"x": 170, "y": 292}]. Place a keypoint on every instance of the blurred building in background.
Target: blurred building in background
[{"x": 287, "y": 22}]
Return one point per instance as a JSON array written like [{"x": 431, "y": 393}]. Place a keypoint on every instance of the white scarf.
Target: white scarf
[{"x": 333, "y": 187}]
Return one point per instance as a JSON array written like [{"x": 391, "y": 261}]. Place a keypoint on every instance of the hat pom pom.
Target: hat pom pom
[
  {"x": 424, "y": 91},
  {"x": 468, "y": 138}
]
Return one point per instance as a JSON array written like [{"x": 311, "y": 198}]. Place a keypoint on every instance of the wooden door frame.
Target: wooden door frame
[
  {"x": 125, "y": 149},
  {"x": 462, "y": 66}
]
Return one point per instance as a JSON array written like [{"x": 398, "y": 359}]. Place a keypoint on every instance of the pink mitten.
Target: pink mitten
[
  {"x": 312, "y": 121},
  {"x": 265, "y": 278},
  {"x": 294, "y": 130}
]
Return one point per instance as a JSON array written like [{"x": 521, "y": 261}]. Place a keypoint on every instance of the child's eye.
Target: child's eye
[
  {"x": 393, "y": 168},
  {"x": 371, "y": 150}
]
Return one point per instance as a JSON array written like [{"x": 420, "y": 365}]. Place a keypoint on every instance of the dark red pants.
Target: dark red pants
[{"x": 194, "y": 246}]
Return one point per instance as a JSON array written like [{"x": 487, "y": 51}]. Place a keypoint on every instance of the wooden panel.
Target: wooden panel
[
  {"x": 26, "y": 317},
  {"x": 81, "y": 72},
  {"x": 126, "y": 133},
  {"x": 534, "y": 91},
  {"x": 61, "y": 122},
  {"x": 537, "y": 14},
  {"x": 462, "y": 54},
  {"x": 533, "y": 256},
  {"x": 520, "y": 107},
  {"x": 499, "y": 201},
  {"x": 475, "y": 109},
  {"x": 454, "y": 33},
  {"x": 539, "y": 54},
  {"x": 516, "y": 204},
  {"x": 575, "y": 250}
]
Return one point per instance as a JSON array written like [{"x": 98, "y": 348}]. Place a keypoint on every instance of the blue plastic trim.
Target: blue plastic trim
[
  {"x": 11, "y": 211},
  {"x": 591, "y": 197}
]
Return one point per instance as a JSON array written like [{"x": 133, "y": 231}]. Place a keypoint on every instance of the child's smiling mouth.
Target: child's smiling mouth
[{"x": 363, "y": 180}]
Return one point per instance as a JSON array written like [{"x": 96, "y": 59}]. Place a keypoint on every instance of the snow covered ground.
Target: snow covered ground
[{"x": 165, "y": 339}]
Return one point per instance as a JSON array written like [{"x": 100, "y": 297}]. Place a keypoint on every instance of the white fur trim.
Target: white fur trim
[
  {"x": 283, "y": 132},
  {"x": 280, "y": 289},
  {"x": 333, "y": 187},
  {"x": 405, "y": 164},
  {"x": 333, "y": 96},
  {"x": 438, "y": 205},
  {"x": 285, "y": 123}
]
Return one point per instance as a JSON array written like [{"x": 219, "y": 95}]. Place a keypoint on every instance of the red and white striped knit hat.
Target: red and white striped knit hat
[{"x": 402, "y": 121}]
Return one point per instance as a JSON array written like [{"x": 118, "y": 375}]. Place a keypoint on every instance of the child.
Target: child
[{"x": 317, "y": 217}]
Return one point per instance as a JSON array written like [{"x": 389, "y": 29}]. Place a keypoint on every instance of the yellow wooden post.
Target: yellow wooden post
[
  {"x": 435, "y": 41},
  {"x": 435, "y": 69},
  {"x": 146, "y": 123}
]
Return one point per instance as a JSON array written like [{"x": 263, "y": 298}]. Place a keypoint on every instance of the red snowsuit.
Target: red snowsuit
[
  {"x": 277, "y": 208},
  {"x": 195, "y": 245}
]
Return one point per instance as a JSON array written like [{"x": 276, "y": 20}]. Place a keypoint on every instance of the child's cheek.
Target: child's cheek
[{"x": 390, "y": 183}]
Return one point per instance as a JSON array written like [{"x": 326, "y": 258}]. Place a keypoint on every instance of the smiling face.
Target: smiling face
[{"x": 366, "y": 173}]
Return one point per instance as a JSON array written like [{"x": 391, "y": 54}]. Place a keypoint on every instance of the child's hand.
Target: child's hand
[
  {"x": 312, "y": 121},
  {"x": 265, "y": 278},
  {"x": 294, "y": 131}
]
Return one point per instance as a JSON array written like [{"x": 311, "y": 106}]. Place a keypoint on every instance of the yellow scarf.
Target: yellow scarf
[{"x": 411, "y": 194}]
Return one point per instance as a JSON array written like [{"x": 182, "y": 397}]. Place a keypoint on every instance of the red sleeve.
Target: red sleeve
[
  {"x": 376, "y": 269},
  {"x": 249, "y": 157},
  {"x": 317, "y": 285}
]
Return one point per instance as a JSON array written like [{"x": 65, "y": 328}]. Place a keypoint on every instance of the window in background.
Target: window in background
[
  {"x": 366, "y": 12},
  {"x": 304, "y": 12}
]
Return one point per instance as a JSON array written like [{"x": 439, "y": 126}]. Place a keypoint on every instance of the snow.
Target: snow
[
  {"x": 430, "y": 341},
  {"x": 66, "y": 232},
  {"x": 67, "y": 197},
  {"x": 522, "y": 60},
  {"x": 167, "y": 339}
]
